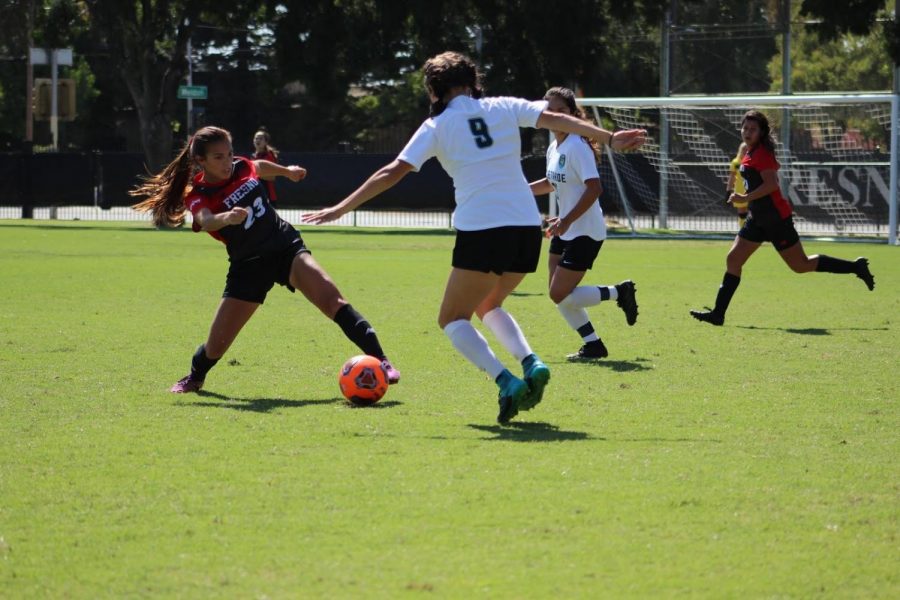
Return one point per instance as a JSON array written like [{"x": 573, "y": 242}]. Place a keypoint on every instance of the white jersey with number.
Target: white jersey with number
[
  {"x": 569, "y": 165},
  {"x": 478, "y": 144}
]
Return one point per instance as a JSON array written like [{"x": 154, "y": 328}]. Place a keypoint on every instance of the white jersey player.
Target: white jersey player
[
  {"x": 498, "y": 237},
  {"x": 578, "y": 232}
]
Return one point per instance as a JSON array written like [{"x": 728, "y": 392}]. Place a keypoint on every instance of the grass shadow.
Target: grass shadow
[
  {"x": 657, "y": 440},
  {"x": 812, "y": 330},
  {"x": 619, "y": 366},
  {"x": 260, "y": 405},
  {"x": 522, "y": 294},
  {"x": 376, "y": 406},
  {"x": 531, "y": 432}
]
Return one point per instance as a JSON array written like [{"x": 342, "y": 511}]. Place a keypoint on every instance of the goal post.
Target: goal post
[{"x": 838, "y": 155}]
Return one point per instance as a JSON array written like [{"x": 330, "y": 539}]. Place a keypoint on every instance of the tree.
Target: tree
[
  {"x": 857, "y": 17},
  {"x": 149, "y": 40}
]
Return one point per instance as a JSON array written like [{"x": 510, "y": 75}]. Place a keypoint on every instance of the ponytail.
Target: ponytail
[
  {"x": 163, "y": 193},
  {"x": 449, "y": 70}
]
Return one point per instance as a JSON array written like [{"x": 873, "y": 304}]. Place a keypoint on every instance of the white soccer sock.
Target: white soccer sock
[
  {"x": 502, "y": 324},
  {"x": 576, "y": 317},
  {"x": 471, "y": 344},
  {"x": 590, "y": 295}
]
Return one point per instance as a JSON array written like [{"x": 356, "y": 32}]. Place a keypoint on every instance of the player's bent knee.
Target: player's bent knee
[{"x": 559, "y": 296}]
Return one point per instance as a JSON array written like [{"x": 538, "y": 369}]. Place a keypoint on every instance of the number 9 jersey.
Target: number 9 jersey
[
  {"x": 478, "y": 144},
  {"x": 262, "y": 232}
]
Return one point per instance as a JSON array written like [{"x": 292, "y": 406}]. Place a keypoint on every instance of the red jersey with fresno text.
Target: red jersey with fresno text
[
  {"x": 260, "y": 231},
  {"x": 756, "y": 161},
  {"x": 270, "y": 185}
]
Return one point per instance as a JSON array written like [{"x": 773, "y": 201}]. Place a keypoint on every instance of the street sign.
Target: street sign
[
  {"x": 40, "y": 56},
  {"x": 192, "y": 92}
]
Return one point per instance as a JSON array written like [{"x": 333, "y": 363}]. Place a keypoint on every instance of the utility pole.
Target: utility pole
[
  {"x": 665, "y": 89},
  {"x": 29, "y": 74},
  {"x": 190, "y": 81},
  {"x": 786, "y": 90},
  {"x": 895, "y": 154},
  {"x": 27, "y": 198}
]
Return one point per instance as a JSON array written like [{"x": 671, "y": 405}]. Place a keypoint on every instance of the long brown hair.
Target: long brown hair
[
  {"x": 765, "y": 138},
  {"x": 447, "y": 71},
  {"x": 268, "y": 140},
  {"x": 568, "y": 96},
  {"x": 163, "y": 193}
]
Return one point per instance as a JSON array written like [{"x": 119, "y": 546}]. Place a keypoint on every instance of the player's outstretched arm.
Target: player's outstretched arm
[
  {"x": 624, "y": 139},
  {"x": 383, "y": 179},
  {"x": 269, "y": 170},
  {"x": 541, "y": 186}
]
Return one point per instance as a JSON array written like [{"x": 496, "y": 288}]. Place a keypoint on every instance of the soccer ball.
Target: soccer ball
[{"x": 363, "y": 380}]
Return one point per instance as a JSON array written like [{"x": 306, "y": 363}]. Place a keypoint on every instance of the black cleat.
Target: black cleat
[
  {"x": 709, "y": 316},
  {"x": 862, "y": 271},
  {"x": 590, "y": 351},
  {"x": 627, "y": 301}
]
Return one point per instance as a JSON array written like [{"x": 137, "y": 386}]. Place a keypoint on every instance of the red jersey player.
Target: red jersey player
[
  {"x": 227, "y": 200},
  {"x": 770, "y": 219},
  {"x": 264, "y": 150}
]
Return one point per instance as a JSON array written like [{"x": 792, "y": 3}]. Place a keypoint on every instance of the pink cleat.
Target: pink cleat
[
  {"x": 393, "y": 375},
  {"x": 187, "y": 384}
]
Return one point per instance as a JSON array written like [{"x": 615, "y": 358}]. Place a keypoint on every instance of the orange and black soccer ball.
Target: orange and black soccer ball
[{"x": 363, "y": 380}]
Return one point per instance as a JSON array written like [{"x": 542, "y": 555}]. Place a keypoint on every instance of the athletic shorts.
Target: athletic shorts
[
  {"x": 251, "y": 279},
  {"x": 577, "y": 254},
  {"x": 780, "y": 232},
  {"x": 513, "y": 249}
]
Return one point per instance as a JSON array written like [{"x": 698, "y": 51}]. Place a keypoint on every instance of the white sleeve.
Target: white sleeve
[
  {"x": 526, "y": 111},
  {"x": 420, "y": 147},
  {"x": 586, "y": 162}
]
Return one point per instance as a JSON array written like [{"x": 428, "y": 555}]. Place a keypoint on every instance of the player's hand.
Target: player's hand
[
  {"x": 556, "y": 226},
  {"x": 296, "y": 173},
  {"x": 236, "y": 215},
  {"x": 737, "y": 198},
  {"x": 323, "y": 216},
  {"x": 728, "y": 194},
  {"x": 628, "y": 139}
]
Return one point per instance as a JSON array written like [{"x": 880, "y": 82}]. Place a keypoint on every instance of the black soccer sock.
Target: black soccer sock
[
  {"x": 358, "y": 330},
  {"x": 586, "y": 331},
  {"x": 201, "y": 364},
  {"x": 726, "y": 291},
  {"x": 829, "y": 264}
]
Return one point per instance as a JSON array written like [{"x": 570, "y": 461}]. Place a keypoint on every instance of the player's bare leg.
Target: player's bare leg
[
  {"x": 230, "y": 318},
  {"x": 315, "y": 284},
  {"x": 465, "y": 291},
  {"x": 504, "y": 326}
]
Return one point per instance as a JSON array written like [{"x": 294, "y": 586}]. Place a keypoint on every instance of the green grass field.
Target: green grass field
[{"x": 756, "y": 460}]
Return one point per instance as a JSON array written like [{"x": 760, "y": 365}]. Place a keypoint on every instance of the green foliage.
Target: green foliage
[
  {"x": 848, "y": 63},
  {"x": 753, "y": 460}
]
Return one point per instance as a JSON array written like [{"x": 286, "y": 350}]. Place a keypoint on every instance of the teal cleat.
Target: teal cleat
[
  {"x": 513, "y": 391},
  {"x": 537, "y": 375}
]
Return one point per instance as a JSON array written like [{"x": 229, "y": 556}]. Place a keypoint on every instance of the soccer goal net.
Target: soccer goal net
[{"x": 836, "y": 155}]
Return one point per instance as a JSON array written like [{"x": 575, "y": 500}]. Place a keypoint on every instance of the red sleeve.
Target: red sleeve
[
  {"x": 195, "y": 203},
  {"x": 764, "y": 160}
]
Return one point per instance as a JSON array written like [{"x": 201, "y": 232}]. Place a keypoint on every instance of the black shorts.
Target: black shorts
[
  {"x": 251, "y": 279},
  {"x": 578, "y": 254},
  {"x": 514, "y": 249},
  {"x": 780, "y": 232}
]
